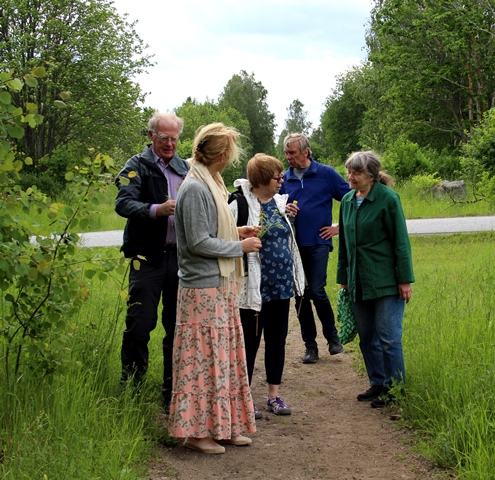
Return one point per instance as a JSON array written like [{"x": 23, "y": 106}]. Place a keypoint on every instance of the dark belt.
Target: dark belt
[{"x": 169, "y": 247}]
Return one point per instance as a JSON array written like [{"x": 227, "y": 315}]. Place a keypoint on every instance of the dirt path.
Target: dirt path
[{"x": 329, "y": 435}]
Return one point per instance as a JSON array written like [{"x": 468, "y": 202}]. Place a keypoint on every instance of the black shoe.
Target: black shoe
[
  {"x": 334, "y": 346},
  {"x": 371, "y": 394},
  {"x": 378, "y": 403},
  {"x": 383, "y": 400},
  {"x": 311, "y": 355}
]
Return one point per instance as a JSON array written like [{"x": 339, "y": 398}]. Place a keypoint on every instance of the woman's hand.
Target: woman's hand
[
  {"x": 291, "y": 209},
  {"x": 252, "y": 244},
  {"x": 248, "y": 231},
  {"x": 405, "y": 291}
]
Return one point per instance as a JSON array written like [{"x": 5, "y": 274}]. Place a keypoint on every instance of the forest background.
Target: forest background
[{"x": 71, "y": 115}]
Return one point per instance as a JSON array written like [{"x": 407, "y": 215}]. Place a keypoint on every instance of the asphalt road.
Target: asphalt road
[{"x": 429, "y": 226}]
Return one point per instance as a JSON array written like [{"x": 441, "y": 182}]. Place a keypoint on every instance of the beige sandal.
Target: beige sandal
[
  {"x": 238, "y": 440},
  {"x": 204, "y": 445}
]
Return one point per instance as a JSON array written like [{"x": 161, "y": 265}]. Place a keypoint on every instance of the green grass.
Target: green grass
[
  {"x": 449, "y": 346},
  {"x": 423, "y": 205},
  {"x": 85, "y": 425}
]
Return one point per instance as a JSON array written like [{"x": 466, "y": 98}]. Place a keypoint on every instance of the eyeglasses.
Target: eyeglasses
[
  {"x": 166, "y": 138},
  {"x": 279, "y": 178}
]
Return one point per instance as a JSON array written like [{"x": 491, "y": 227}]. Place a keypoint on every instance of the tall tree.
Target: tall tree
[
  {"x": 296, "y": 122},
  {"x": 297, "y": 118},
  {"x": 343, "y": 116},
  {"x": 434, "y": 61},
  {"x": 90, "y": 55},
  {"x": 248, "y": 97},
  {"x": 196, "y": 114}
]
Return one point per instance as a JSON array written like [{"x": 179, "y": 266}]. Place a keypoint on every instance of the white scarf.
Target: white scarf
[{"x": 231, "y": 269}]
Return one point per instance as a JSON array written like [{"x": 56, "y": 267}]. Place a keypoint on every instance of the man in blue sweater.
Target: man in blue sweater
[{"x": 313, "y": 186}]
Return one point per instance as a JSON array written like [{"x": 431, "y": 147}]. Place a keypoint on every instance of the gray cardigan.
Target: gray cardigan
[{"x": 196, "y": 225}]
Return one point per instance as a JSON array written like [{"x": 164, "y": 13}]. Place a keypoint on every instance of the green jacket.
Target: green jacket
[{"x": 373, "y": 241}]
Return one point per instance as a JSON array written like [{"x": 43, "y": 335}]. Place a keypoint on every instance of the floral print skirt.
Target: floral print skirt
[{"x": 211, "y": 395}]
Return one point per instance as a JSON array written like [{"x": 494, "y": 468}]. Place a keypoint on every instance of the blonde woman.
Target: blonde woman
[{"x": 211, "y": 400}]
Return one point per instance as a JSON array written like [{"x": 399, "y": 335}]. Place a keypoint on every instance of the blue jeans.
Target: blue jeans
[
  {"x": 315, "y": 260},
  {"x": 379, "y": 324}
]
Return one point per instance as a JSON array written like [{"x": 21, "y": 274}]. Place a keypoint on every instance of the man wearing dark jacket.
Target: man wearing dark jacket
[
  {"x": 314, "y": 186},
  {"x": 148, "y": 186}
]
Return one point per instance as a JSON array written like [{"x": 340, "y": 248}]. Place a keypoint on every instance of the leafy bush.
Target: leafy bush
[
  {"x": 424, "y": 183},
  {"x": 481, "y": 144},
  {"x": 445, "y": 163},
  {"x": 41, "y": 283},
  {"x": 403, "y": 159}
]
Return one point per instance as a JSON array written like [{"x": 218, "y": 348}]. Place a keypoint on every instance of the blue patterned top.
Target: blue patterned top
[{"x": 277, "y": 281}]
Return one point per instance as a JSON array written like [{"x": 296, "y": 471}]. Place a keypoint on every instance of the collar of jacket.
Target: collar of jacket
[
  {"x": 371, "y": 194},
  {"x": 178, "y": 165},
  {"x": 311, "y": 170}
]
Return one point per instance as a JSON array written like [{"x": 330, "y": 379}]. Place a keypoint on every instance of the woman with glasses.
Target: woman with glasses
[
  {"x": 211, "y": 399},
  {"x": 272, "y": 273}
]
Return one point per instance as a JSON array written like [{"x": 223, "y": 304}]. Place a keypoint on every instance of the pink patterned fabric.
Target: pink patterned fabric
[{"x": 211, "y": 396}]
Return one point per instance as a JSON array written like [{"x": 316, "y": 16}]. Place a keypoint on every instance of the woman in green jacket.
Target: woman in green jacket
[{"x": 375, "y": 265}]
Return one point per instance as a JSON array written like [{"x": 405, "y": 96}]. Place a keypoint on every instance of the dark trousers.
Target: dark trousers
[
  {"x": 273, "y": 323},
  {"x": 154, "y": 280},
  {"x": 315, "y": 261}
]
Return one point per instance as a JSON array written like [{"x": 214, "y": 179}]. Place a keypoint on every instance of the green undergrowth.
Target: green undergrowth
[{"x": 449, "y": 347}]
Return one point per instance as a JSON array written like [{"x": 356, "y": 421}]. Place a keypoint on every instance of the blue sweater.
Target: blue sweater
[{"x": 314, "y": 193}]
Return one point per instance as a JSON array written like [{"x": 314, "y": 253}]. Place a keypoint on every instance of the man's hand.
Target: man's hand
[
  {"x": 165, "y": 209},
  {"x": 329, "y": 231}
]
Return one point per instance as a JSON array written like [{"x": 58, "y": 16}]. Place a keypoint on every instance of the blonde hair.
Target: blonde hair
[
  {"x": 369, "y": 163},
  {"x": 216, "y": 140},
  {"x": 261, "y": 169}
]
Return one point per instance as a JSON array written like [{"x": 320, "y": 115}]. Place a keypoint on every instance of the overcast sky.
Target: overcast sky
[{"x": 295, "y": 48}]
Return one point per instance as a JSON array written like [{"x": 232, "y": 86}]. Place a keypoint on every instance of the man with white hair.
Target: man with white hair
[{"x": 148, "y": 186}]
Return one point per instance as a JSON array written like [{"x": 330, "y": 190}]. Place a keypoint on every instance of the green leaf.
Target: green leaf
[
  {"x": 38, "y": 72},
  {"x": 28, "y": 161},
  {"x": 5, "y": 76},
  {"x": 60, "y": 104},
  {"x": 89, "y": 274},
  {"x": 31, "y": 107},
  {"x": 15, "y": 132},
  {"x": 64, "y": 96},
  {"x": 30, "y": 81},
  {"x": 30, "y": 120},
  {"x": 15, "y": 85},
  {"x": 69, "y": 176},
  {"x": 33, "y": 274},
  {"x": 124, "y": 180},
  {"x": 5, "y": 97}
]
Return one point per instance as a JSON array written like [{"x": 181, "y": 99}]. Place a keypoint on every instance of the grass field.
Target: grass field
[{"x": 86, "y": 425}]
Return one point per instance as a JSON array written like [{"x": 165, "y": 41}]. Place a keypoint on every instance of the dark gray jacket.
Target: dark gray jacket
[{"x": 144, "y": 235}]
